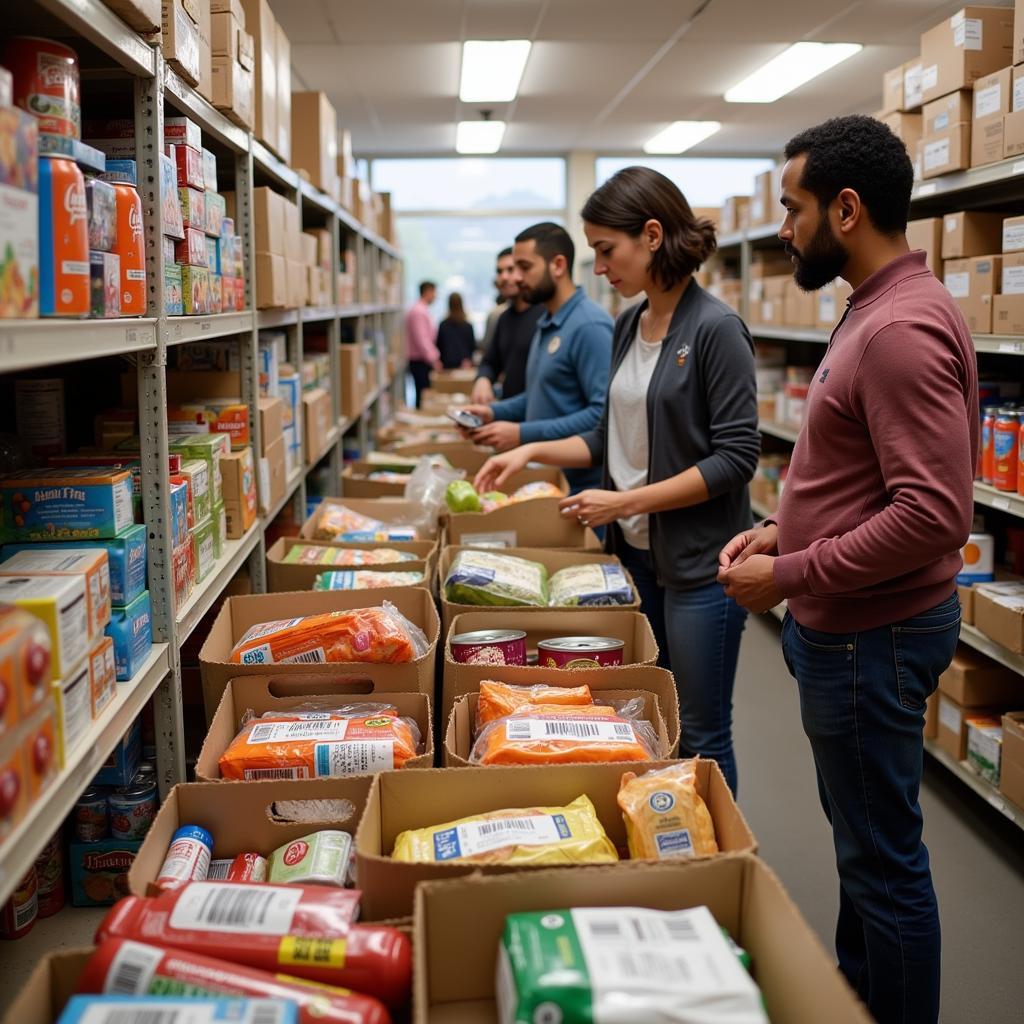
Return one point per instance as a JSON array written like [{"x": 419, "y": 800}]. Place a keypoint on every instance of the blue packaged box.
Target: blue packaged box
[
  {"x": 176, "y": 1010},
  {"x": 120, "y": 767},
  {"x": 99, "y": 871},
  {"x": 179, "y": 514},
  {"x": 131, "y": 629},
  {"x": 123, "y": 170},
  {"x": 70, "y": 503}
]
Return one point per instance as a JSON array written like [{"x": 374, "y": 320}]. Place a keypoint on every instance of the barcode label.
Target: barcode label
[
  {"x": 276, "y": 773},
  {"x": 132, "y": 970},
  {"x": 279, "y": 732},
  {"x": 314, "y": 657},
  {"x": 235, "y": 907},
  {"x": 26, "y": 913},
  {"x": 524, "y": 730},
  {"x": 219, "y": 870},
  {"x": 200, "y": 1010},
  {"x": 354, "y": 757},
  {"x": 477, "y": 837}
]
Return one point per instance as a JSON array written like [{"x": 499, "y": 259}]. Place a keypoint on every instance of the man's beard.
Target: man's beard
[
  {"x": 543, "y": 292},
  {"x": 822, "y": 260}
]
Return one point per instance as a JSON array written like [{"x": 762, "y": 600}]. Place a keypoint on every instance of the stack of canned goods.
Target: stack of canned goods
[
  {"x": 508, "y": 647},
  {"x": 126, "y": 812}
]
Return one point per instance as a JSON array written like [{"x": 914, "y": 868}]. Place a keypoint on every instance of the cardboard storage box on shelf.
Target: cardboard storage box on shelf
[
  {"x": 205, "y": 86},
  {"x": 529, "y": 524},
  {"x": 798, "y": 307},
  {"x": 946, "y": 151},
  {"x": 907, "y": 127},
  {"x": 1011, "y": 778},
  {"x": 284, "y": 576},
  {"x": 993, "y": 100},
  {"x": 386, "y": 510},
  {"x": 552, "y": 559},
  {"x": 947, "y": 111},
  {"x": 735, "y": 214},
  {"x": 318, "y": 413},
  {"x": 354, "y": 386},
  {"x": 280, "y": 693},
  {"x": 958, "y": 51},
  {"x": 763, "y": 201},
  {"x": 892, "y": 91},
  {"x": 283, "y": 51},
  {"x": 459, "y": 926},
  {"x": 141, "y": 15},
  {"x": 974, "y": 283},
  {"x": 999, "y": 613},
  {"x": 974, "y": 681},
  {"x": 234, "y": 76},
  {"x": 830, "y": 302},
  {"x": 953, "y": 720},
  {"x": 273, "y": 475},
  {"x": 411, "y": 799},
  {"x": 180, "y": 43},
  {"x": 913, "y": 86},
  {"x": 260, "y": 23},
  {"x": 928, "y": 235},
  {"x": 239, "y": 614},
  {"x": 271, "y": 420},
  {"x": 271, "y": 281},
  {"x": 971, "y": 233},
  {"x": 314, "y": 129}
]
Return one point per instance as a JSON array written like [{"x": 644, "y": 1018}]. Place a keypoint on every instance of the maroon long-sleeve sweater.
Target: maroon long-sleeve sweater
[{"x": 879, "y": 497}]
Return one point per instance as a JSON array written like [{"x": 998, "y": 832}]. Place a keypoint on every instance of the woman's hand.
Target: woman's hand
[
  {"x": 497, "y": 469},
  {"x": 483, "y": 391},
  {"x": 595, "y": 508}
]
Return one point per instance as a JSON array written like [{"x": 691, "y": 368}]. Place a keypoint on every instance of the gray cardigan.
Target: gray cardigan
[{"x": 701, "y": 411}]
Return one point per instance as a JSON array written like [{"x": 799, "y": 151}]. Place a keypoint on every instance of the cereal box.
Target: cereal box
[
  {"x": 191, "y": 250},
  {"x": 189, "y": 165},
  {"x": 215, "y": 212},
  {"x": 101, "y": 202},
  {"x": 174, "y": 299},
  {"x": 131, "y": 629},
  {"x": 183, "y": 131},
  {"x": 64, "y": 277},
  {"x": 105, "y": 284},
  {"x": 173, "y": 226},
  {"x": 99, "y": 871},
  {"x": 209, "y": 448},
  {"x": 217, "y": 294},
  {"x": 59, "y": 603},
  {"x": 73, "y": 699},
  {"x": 195, "y": 290},
  {"x": 193, "y": 208},
  {"x": 167, "y": 249}
]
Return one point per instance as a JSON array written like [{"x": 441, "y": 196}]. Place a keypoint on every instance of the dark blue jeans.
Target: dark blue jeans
[
  {"x": 698, "y": 633},
  {"x": 862, "y": 701}
]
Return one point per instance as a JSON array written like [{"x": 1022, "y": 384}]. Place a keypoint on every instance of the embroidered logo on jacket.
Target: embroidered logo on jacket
[
  {"x": 824, "y": 374},
  {"x": 681, "y": 355}
]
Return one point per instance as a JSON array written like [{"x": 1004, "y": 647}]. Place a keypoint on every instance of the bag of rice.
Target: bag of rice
[
  {"x": 488, "y": 578},
  {"x": 599, "y": 583}
]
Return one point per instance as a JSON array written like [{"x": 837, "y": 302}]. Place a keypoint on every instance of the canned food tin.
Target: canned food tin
[
  {"x": 988, "y": 455},
  {"x": 1005, "y": 441},
  {"x": 580, "y": 652},
  {"x": 92, "y": 816},
  {"x": 19, "y": 913},
  {"x": 50, "y": 875},
  {"x": 45, "y": 77},
  {"x": 133, "y": 808},
  {"x": 64, "y": 279},
  {"x": 188, "y": 858},
  {"x": 490, "y": 647}
]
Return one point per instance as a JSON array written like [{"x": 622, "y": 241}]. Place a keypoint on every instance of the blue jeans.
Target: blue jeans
[
  {"x": 862, "y": 701},
  {"x": 698, "y": 633}
]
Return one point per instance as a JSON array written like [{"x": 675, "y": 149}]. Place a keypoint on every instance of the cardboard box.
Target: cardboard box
[
  {"x": 205, "y": 86},
  {"x": 284, "y": 576},
  {"x": 283, "y": 52},
  {"x": 966, "y": 595},
  {"x": 420, "y": 798},
  {"x": 913, "y": 85},
  {"x": 892, "y": 90},
  {"x": 273, "y": 475},
  {"x": 1018, "y": 32},
  {"x": 947, "y": 111},
  {"x": 314, "y": 130},
  {"x": 799, "y": 308},
  {"x": 141, "y": 15},
  {"x": 953, "y": 724},
  {"x": 271, "y": 281},
  {"x": 974, "y": 681},
  {"x": 988, "y": 140},
  {"x": 354, "y": 387},
  {"x": 999, "y": 610},
  {"x": 260, "y": 23},
  {"x": 385, "y": 510},
  {"x": 260, "y": 694},
  {"x": 238, "y": 484},
  {"x": 459, "y": 925},
  {"x": 1011, "y": 778},
  {"x": 958, "y": 51},
  {"x": 317, "y": 416},
  {"x": 946, "y": 151},
  {"x": 973, "y": 283},
  {"x": 928, "y": 235},
  {"x": 234, "y": 83},
  {"x": 271, "y": 420},
  {"x": 971, "y": 234},
  {"x": 238, "y": 614},
  {"x": 268, "y": 209},
  {"x": 1008, "y": 314},
  {"x": 180, "y": 37},
  {"x": 532, "y": 524},
  {"x": 552, "y": 559},
  {"x": 1013, "y": 133},
  {"x": 1013, "y": 234},
  {"x": 907, "y": 127}
]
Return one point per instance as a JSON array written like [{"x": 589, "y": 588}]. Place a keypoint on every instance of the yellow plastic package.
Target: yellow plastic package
[
  {"x": 665, "y": 816},
  {"x": 532, "y": 835}
]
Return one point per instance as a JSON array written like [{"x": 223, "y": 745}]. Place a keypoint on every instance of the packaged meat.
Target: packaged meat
[
  {"x": 299, "y": 930},
  {"x": 371, "y": 635},
  {"x": 365, "y": 579},
  {"x": 497, "y": 700},
  {"x": 188, "y": 1009},
  {"x": 316, "y": 554},
  {"x": 552, "y": 734},
  {"x": 537, "y": 489},
  {"x": 588, "y": 586},
  {"x": 321, "y": 858},
  {"x": 533, "y": 835},
  {"x": 664, "y": 814},
  {"x": 337, "y": 522},
  {"x": 489, "y": 578},
  {"x": 125, "y": 967}
]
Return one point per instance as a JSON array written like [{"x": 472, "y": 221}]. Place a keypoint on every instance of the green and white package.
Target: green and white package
[
  {"x": 622, "y": 965},
  {"x": 321, "y": 858},
  {"x": 487, "y": 578}
]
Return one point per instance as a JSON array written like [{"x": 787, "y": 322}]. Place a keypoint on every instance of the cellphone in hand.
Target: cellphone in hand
[{"x": 465, "y": 419}]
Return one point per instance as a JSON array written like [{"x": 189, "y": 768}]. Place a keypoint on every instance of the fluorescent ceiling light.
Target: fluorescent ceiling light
[
  {"x": 680, "y": 136},
  {"x": 491, "y": 70},
  {"x": 789, "y": 70},
  {"x": 479, "y": 136}
]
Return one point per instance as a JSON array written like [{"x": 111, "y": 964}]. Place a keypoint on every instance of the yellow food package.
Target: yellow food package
[
  {"x": 664, "y": 814},
  {"x": 532, "y": 835}
]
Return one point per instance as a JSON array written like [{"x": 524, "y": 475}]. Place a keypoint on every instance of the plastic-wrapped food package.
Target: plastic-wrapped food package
[
  {"x": 497, "y": 700},
  {"x": 321, "y": 858},
  {"x": 316, "y": 554},
  {"x": 489, "y": 578},
  {"x": 599, "y": 583},
  {"x": 371, "y": 635},
  {"x": 365, "y": 579},
  {"x": 537, "y": 489},
  {"x": 320, "y": 744},
  {"x": 338, "y": 522},
  {"x": 532, "y": 835},
  {"x": 664, "y": 814},
  {"x": 551, "y": 734}
]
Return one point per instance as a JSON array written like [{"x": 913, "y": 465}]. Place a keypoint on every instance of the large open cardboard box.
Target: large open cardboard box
[
  {"x": 458, "y": 737},
  {"x": 53, "y": 982},
  {"x": 356, "y": 482},
  {"x": 282, "y": 575},
  {"x": 247, "y": 816},
  {"x": 424, "y": 797},
  {"x": 386, "y": 510},
  {"x": 238, "y": 614},
  {"x": 534, "y": 524},
  {"x": 551, "y": 559},
  {"x": 261, "y": 694},
  {"x": 459, "y": 924}
]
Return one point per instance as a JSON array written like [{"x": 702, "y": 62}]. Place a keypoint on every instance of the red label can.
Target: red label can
[
  {"x": 19, "y": 913},
  {"x": 490, "y": 647},
  {"x": 1006, "y": 454},
  {"x": 987, "y": 450},
  {"x": 46, "y": 83},
  {"x": 50, "y": 875},
  {"x": 130, "y": 248},
  {"x": 580, "y": 652},
  {"x": 64, "y": 278}
]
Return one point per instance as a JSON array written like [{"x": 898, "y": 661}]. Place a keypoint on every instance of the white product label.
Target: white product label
[
  {"x": 75, "y": 267},
  {"x": 186, "y": 859},
  {"x": 929, "y": 77},
  {"x": 476, "y": 837},
  {"x": 936, "y": 154},
  {"x": 949, "y": 716},
  {"x": 940, "y": 123},
  {"x": 1013, "y": 237},
  {"x": 133, "y": 969},
  {"x": 279, "y": 732},
  {"x": 959, "y": 284},
  {"x": 498, "y": 539},
  {"x": 523, "y": 730},
  {"x": 988, "y": 101},
  {"x": 136, "y": 275},
  {"x": 73, "y": 625},
  {"x": 184, "y": 1011},
  {"x": 264, "y": 479},
  {"x": 268, "y": 628},
  {"x": 76, "y": 706},
  {"x": 317, "y": 656},
  {"x": 913, "y": 86},
  {"x": 967, "y": 32},
  {"x": 826, "y": 307},
  {"x": 206, "y": 557},
  {"x": 951, "y": 224},
  {"x": 235, "y": 907},
  {"x": 1018, "y": 94},
  {"x": 767, "y": 311},
  {"x": 355, "y": 757},
  {"x": 1013, "y": 280}
]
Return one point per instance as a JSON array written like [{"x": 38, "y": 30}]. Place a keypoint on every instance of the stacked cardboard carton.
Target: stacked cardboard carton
[
  {"x": 273, "y": 78},
  {"x": 234, "y": 63}
]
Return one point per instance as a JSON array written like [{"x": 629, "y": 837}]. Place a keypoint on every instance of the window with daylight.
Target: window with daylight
[{"x": 705, "y": 181}]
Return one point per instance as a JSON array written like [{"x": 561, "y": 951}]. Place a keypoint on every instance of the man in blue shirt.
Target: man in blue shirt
[{"x": 569, "y": 361}]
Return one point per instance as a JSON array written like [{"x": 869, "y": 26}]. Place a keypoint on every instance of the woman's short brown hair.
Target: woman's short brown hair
[{"x": 635, "y": 195}]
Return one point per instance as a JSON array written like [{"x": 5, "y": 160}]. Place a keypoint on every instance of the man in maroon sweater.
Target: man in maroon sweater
[{"x": 865, "y": 545}]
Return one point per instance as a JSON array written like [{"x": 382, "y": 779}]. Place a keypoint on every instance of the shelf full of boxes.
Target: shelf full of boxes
[
  {"x": 959, "y": 108},
  {"x": 230, "y": 323}
]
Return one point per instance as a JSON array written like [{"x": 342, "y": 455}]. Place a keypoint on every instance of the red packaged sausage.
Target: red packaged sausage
[
  {"x": 123, "y": 967},
  {"x": 303, "y": 931}
]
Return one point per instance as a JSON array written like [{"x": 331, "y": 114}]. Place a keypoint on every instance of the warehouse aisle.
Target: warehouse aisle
[{"x": 977, "y": 856}]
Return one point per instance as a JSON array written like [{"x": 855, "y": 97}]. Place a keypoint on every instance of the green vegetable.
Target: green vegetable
[
  {"x": 461, "y": 496},
  {"x": 488, "y": 578}
]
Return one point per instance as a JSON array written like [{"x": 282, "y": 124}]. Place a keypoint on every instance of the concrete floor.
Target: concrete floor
[{"x": 977, "y": 855}]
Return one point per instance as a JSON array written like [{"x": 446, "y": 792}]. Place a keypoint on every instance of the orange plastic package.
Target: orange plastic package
[
  {"x": 372, "y": 635},
  {"x": 310, "y": 745},
  {"x": 551, "y": 734},
  {"x": 664, "y": 814},
  {"x": 498, "y": 700}
]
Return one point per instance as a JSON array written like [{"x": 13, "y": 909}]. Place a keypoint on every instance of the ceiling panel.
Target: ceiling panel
[
  {"x": 501, "y": 19},
  {"x": 376, "y": 22}
]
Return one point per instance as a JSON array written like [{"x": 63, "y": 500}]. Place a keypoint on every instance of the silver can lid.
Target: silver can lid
[
  {"x": 581, "y": 644},
  {"x": 489, "y": 636}
]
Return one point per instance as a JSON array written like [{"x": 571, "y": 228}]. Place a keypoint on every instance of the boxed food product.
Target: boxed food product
[
  {"x": 212, "y": 255},
  {"x": 193, "y": 208},
  {"x": 180, "y": 510},
  {"x": 19, "y": 213},
  {"x": 195, "y": 290},
  {"x": 217, "y": 294},
  {"x": 985, "y": 746},
  {"x": 203, "y": 555},
  {"x": 238, "y": 479},
  {"x": 104, "y": 285},
  {"x": 99, "y": 871},
  {"x": 122, "y": 764},
  {"x": 131, "y": 629},
  {"x": 102, "y": 675},
  {"x": 191, "y": 250},
  {"x": 188, "y": 163},
  {"x": 40, "y": 749},
  {"x": 216, "y": 211},
  {"x": 174, "y": 296},
  {"x": 208, "y": 448},
  {"x": 209, "y": 170},
  {"x": 173, "y": 225},
  {"x": 26, "y": 669},
  {"x": 72, "y": 697},
  {"x": 182, "y": 131},
  {"x": 60, "y": 603},
  {"x": 101, "y": 202}
]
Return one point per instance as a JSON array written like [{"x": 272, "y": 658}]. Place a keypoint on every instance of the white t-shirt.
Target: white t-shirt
[{"x": 627, "y": 429}]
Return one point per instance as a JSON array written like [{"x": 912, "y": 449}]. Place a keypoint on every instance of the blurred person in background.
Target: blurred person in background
[
  {"x": 456, "y": 342},
  {"x": 507, "y": 344},
  {"x": 421, "y": 339}
]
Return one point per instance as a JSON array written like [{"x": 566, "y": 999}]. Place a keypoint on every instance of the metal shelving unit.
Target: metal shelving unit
[
  {"x": 779, "y": 430},
  {"x": 966, "y": 774},
  {"x": 809, "y": 334},
  {"x": 31, "y": 344}
]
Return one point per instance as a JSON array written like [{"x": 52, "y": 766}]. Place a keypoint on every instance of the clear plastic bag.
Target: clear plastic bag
[
  {"x": 498, "y": 700},
  {"x": 365, "y": 579},
  {"x": 593, "y": 585},
  {"x": 426, "y": 488},
  {"x": 537, "y": 489},
  {"x": 488, "y": 578},
  {"x": 339, "y": 522}
]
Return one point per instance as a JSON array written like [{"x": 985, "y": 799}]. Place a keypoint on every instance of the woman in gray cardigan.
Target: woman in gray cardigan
[{"x": 678, "y": 443}]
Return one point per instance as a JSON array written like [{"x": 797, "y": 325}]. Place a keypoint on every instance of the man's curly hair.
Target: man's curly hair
[{"x": 862, "y": 154}]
